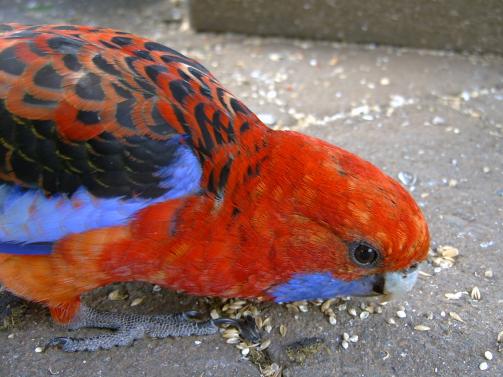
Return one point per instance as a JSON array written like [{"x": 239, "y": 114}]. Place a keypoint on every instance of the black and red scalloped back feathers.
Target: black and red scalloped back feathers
[{"x": 108, "y": 102}]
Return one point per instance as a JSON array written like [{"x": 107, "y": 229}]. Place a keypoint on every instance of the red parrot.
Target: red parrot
[{"x": 124, "y": 160}]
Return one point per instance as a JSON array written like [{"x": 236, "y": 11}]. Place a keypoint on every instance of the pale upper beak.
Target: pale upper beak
[{"x": 397, "y": 283}]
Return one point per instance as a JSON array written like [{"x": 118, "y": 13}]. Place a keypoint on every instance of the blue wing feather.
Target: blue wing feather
[{"x": 28, "y": 216}]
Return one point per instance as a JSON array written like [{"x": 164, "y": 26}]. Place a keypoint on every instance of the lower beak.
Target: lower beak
[{"x": 396, "y": 283}]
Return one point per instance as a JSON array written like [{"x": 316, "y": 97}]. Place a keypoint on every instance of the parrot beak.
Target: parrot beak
[{"x": 397, "y": 283}]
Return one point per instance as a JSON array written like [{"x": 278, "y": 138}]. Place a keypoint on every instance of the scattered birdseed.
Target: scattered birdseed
[
  {"x": 455, "y": 296},
  {"x": 353, "y": 338},
  {"x": 156, "y": 288},
  {"x": 345, "y": 336},
  {"x": 488, "y": 273},
  {"x": 437, "y": 120},
  {"x": 117, "y": 295},
  {"x": 214, "y": 314},
  {"x": 384, "y": 81},
  {"x": 352, "y": 312},
  {"x": 483, "y": 366},
  {"x": 422, "y": 328},
  {"x": 266, "y": 343},
  {"x": 442, "y": 262},
  {"x": 282, "y": 330},
  {"x": 488, "y": 355},
  {"x": 447, "y": 251},
  {"x": 245, "y": 351},
  {"x": 137, "y": 301},
  {"x": 326, "y": 305},
  {"x": 499, "y": 339},
  {"x": 268, "y": 119},
  {"x": 475, "y": 293},
  {"x": 391, "y": 321},
  {"x": 364, "y": 315},
  {"x": 453, "y": 183},
  {"x": 401, "y": 314},
  {"x": 39, "y": 349},
  {"x": 303, "y": 307},
  {"x": 232, "y": 341},
  {"x": 456, "y": 316},
  {"x": 332, "y": 320},
  {"x": 406, "y": 178},
  {"x": 230, "y": 333},
  {"x": 345, "y": 344}
]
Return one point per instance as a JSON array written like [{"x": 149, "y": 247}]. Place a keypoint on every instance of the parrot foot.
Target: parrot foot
[{"x": 130, "y": 327}]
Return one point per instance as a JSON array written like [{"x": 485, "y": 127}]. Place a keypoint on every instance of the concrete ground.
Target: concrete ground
[{"x": 434, "y": 115}]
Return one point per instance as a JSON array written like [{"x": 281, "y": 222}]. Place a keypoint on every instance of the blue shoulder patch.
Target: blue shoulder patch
[
  {"x": 30, "y": 221},
  {"x": 320, "y": 285},
  {"x": 26, "y": 249}
]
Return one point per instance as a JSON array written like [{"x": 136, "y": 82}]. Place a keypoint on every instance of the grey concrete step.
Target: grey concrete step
[{"x": 472, "y": 25}]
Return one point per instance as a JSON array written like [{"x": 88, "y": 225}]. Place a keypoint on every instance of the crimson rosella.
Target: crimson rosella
[{"x": 124, "y": 160}]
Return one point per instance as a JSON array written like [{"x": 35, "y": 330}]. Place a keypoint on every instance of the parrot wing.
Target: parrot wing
[{"x": 96, "y": 124}]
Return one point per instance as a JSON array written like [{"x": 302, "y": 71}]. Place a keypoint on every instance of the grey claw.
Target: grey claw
[
  {"x": 191, "y": 314},
  {"x": 59, "y": 342},
  {"x": 246, "y": 326}
]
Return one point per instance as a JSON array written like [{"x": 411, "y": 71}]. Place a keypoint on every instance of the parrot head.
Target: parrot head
[{"x": 361, "y": 233}]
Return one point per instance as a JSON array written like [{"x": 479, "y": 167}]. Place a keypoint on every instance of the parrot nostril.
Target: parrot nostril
[{"x": 412, "y": 268}]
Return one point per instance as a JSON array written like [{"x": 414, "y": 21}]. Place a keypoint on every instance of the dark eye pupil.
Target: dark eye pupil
[{"x": 365, "y": 254}]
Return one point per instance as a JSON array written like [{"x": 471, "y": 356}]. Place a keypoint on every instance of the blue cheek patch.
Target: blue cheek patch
[{"x": 321, "y": 285}]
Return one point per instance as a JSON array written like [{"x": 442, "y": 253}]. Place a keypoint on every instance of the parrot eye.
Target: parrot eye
[{"x": 364, "y": 254}]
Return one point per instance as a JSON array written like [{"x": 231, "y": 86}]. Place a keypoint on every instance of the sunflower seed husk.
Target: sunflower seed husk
[
  {"x": 454, "y": 296},
  {"x": 447, "y": 251},
  {"x": 259, "y": 322},
  {"x": 233, "y": 341},
  {"x": 455, "y": 316},
  {"x": 117, "y": 295},
  {"x": 230, "y": 333},
  {"x": 364, "y": 315},
  {"x": 332, "y": 320},
  {"x": 401, "y": 314},
  {"x": 475, "y": 293},
  {"x": 326, "y": 304},
  {"x": 264, "y": 344},
  {"x": 282, "y": 330},
  {"x": 422, "y": 328},
  {"x": 353, "y": 338},
  {"x": 137, "y": 301},
  {"x": 245, "y": 351}
]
